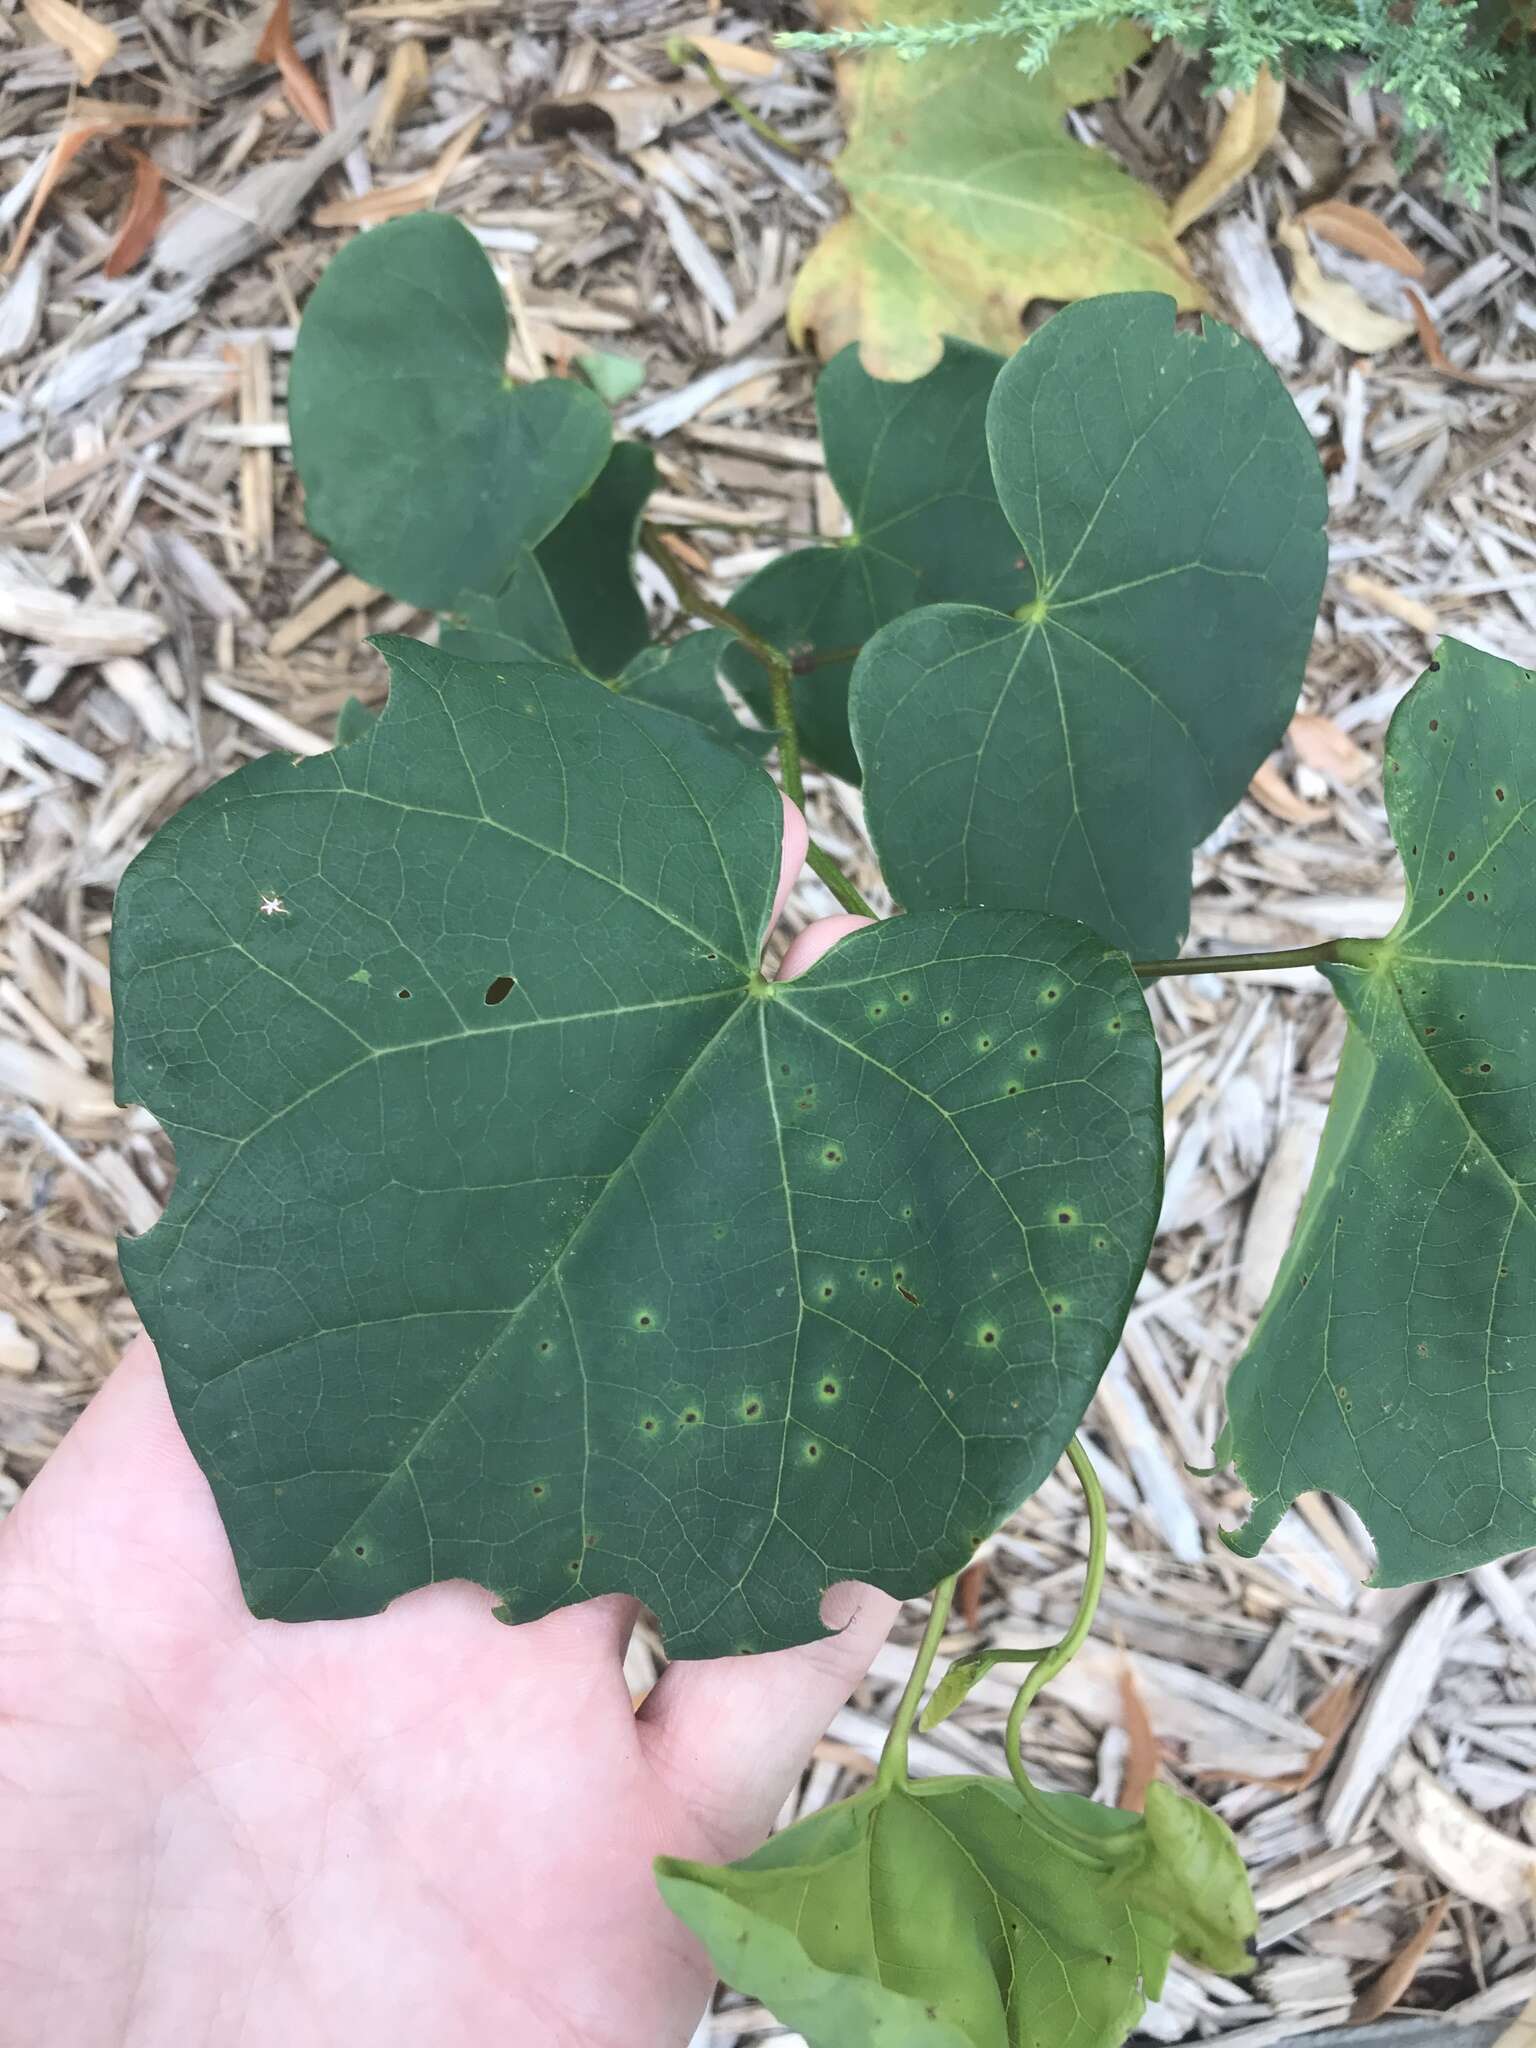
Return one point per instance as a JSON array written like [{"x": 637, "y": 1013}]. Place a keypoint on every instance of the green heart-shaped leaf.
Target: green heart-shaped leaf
[
  {"x": 910, "y": 463},
  {"x": 939, "y": 1914},
  {"x": 1071, "y": 756},
  {"x": 424, "y": 470},
  {"x": 683, "y": 679},
  {"x": 1393, "y": 1362},
  {"x": 573, "y": 598},
  {"x": 523, "y": 1233}
]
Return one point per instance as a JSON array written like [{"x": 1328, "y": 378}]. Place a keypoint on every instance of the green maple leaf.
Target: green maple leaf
[
  {"x": 910, "y": 462},
  {"x": 967, "y": 199},
  {"x": 523, "y": 1233},
  {"x": 1393, "y": 1362},
  {"x": 1071, "y": 753},
  {"x": 939, "y": 1914}
]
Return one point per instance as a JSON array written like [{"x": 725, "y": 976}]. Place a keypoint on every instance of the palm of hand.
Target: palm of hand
[{"x": 421, "y": 1828}]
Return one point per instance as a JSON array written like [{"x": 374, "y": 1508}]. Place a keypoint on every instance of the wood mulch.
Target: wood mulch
[{"x": 164, "y": 616}]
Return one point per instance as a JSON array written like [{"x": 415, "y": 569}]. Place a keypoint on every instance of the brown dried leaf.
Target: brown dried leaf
[
  {"x": 1358, "y": 230},
  {"x": 1384, "y": 1991},
  {"x": 1329, "y": 1716},
  {"x": 91, "y": 43},
  {"x": 1333, "y": 306},
  {"x": 1144, "y": 1757},
  {"x": 141, "y": 221},
  {"x": 1320, "y": 743},
  {"x": 303, "y": 94},
  {"x": 1252, "y": 123},
  {"x": 404, "y": 83},
  {"x": 65, "y": 150},
  {"x": 390, "y": 201},
  {"x": 1270, "y": 788}
]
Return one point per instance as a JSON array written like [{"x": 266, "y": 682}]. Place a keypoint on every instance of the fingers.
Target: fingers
[
  {"x": 731, "y": 1734},
  {"x": 807, "y": 947},
  {"x": 795, "y": 844}
]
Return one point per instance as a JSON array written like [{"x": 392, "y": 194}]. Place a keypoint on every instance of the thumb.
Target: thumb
[{"x": 731, "y": 1734}]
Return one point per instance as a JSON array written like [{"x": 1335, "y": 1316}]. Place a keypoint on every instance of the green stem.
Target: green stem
[
  {"x": 1345, "y": 952},
  {"x": 893, "y": 1758},
  {"x": 781, "y": 690},
  {"x": 806, "y": 660},
  {"x": 1096, "y": 1850},
  {"x": 682, "y": 50},
  {"x": 823, "y": 864}
]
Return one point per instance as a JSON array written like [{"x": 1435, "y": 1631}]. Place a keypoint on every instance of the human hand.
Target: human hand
[{"x": 421, "y": 1828}]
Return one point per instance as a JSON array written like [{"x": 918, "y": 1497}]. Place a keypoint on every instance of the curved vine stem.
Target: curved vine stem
[
  {"x": 893, "y": 1758},
  {"x": 1096, "y": 1850},
  {"x": 684, "y": 50},
  {"x": 781, "y": 691}
]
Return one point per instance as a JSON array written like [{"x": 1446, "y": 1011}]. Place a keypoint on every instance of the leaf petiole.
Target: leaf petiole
[
  {"x": 1327, "y": 953},
  {"x": 1099, "y": 1851},
  {"x": 781, "y": 674},
  {"x": 893, "y": 1758}
]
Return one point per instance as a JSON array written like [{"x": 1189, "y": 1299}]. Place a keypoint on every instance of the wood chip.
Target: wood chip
[
  {"x": 1438, "y": 1830},
  {"x": 1386, "y": 1990}
]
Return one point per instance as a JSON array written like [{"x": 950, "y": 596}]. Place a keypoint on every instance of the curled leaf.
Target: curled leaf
[
  {"x": 277, "y": 47},
  {"x": 1362, "y": 234},
  {"x": 1333, "y": 305},
  {"x": 90, "y": 43},
  {"x": 1251, "y": 125},
  {"x": 941, "y": 1913},
  {"x": 141, "y": 221}
]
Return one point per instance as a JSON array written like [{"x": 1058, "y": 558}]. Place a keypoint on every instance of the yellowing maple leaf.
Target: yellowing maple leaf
[{"x": 967, "y": 199}]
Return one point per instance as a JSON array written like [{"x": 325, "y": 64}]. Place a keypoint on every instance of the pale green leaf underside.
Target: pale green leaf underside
[
  {"x": 1395, "y": 1363},
  {"x": 423, "y": 468},
  {"x": 646, "y": 1275},
  {"x": 1171, "y": 503},
  {"x": 910, "y": 463},
  {"x": 939, "y": 1915}
]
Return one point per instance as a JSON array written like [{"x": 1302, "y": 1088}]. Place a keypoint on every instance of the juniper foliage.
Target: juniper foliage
[{"x": 1464, "y": 69}]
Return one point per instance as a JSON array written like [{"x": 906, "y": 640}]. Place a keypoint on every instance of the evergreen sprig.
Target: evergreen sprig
[{"x": 1451, "y": 74}]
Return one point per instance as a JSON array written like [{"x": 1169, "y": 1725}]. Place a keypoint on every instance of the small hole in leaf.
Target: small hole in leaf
[
  {"x": 403, "y": 994},
  {"x": 877, "y": 1009},
  {"x": 1013, "y": 1087},
  {"x": 644, "y": 1320},
  {"x": 545, "y": 1345},
  {"x": 1485, "y": 1068},
  {"x": 983, "y": 1045},
  {"x": 1452, "y": 854},
  {"x": 1051, "y": 994},
  {"x": 1034, "y": 1052},
  {"x": 905, "y": 996},
  {"x": 574, "y": 1565},
  {"x": 649, "y": 1424},
  {"x": 1058, "y": 1308},
  {"x": 1101, "y": 1244},
  {"x": 813, "y": 1450},
  {"x": 1499, "y": 794},
  {"x": 827, "y": 1291},
  {"x": 1434, "y": 723},
  {"x": 536, "y": 1491},
  {"x": 499, "y": 990},
  {"x": 362, "y": 1549},
  {"x": 947, "y": 1017},
  {"x": 690, "y": 1415},
  {"x": 1114, "y": 1023},
  {"x": 1471, "y": 895},
  {"x": 752, "y": 1410},
  {"x": 989, "y": 1336},
  {"x": 829, "y": 1390},
  {"x": 1063, "y": 1215},
  {"x": 832, "y": 1156}
]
